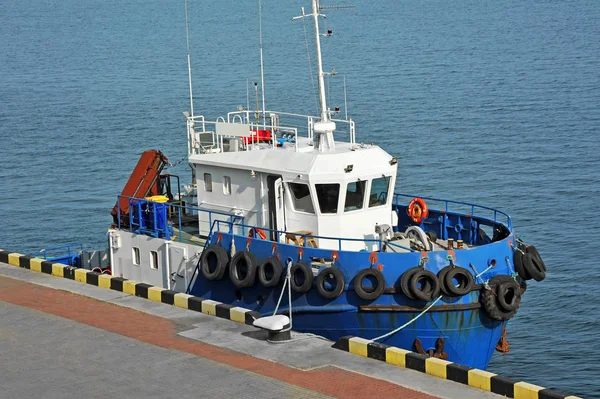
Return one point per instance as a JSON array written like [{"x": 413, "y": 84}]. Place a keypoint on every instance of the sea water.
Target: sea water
[{"x": 494, "y": 102}]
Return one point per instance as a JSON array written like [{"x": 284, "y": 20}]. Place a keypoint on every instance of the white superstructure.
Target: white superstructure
[{"x": 287, "y": 183}]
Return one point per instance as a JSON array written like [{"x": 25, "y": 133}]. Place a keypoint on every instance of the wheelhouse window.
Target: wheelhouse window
[
  {"x": 355, "y": 196},
  {"x": 227, "y": 185},
  {"x": 208, "y": 182},
  {"x": 301, "y": 197},
  {"x": 379, "y": 191},
  {"x": 328, "y": 196}
]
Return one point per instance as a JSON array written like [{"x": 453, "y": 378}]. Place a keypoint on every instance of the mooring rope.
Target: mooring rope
[{"x": 422, "y": 313}]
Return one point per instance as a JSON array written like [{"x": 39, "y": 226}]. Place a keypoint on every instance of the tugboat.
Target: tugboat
[{"x": 279, "y": 198}]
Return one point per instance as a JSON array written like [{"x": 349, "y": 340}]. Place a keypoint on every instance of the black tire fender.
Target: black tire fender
[
  {"x": 465, "y": 281},
  {"x": 441, "y": 277},
  {"x": 429, "y": 288},
  {"x": 519, "y": 267},
  {"x": 243, "y": 261},
  {"x": 405, "y": 280},
  {"x": 369, "y": 295},
  {"x": 269, "y": 272},
  {"x": 509, "y": 296},
  {"x": 213, "y": 262},
  {"x": 532, "y": 250},
  {"x": 304, "y": 271},
  {"x": 533, "y": 267},
  {"x": 339, "y": 283},
  {"x": 489, "y": 299}
]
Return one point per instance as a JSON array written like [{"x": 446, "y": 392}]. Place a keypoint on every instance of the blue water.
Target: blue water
[{"x": 496, "y": 102}]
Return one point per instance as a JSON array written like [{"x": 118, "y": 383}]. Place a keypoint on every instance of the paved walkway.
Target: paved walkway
[
  {"x": 45, "y": 356},
  {"x": 63, "y": 339},
  {"x": 56, "y": 344}
]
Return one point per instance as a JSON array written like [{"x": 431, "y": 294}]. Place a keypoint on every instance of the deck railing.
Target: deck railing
[
  {"x": 476, "y": 211},
  {"x": 243, "y": 230},
  {"x": 203, "y": 135},
  {"x": 148, "y": 220},
  {"x": 158, "y": 219},
  {"x": 57, "y": 254}
]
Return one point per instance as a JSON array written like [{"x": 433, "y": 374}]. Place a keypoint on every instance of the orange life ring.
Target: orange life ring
[
  {"x": 417, "y": 210},
  {"x": 259, "y": 232}
]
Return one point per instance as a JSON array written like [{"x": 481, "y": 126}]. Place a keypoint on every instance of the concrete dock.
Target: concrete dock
[{"x": 63, "y": 339}]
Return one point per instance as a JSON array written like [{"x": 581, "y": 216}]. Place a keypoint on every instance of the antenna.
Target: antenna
[
  {"x": 247, "y": 95},
  {"x": 187, "y": 40},
  {"x": 257, "y": 115},
  {"x": 262, "y": 67},
  {"x": 345, "y": 99},
  {"x": 323, "y": 139},
  {"x": 322, "y": 96}
]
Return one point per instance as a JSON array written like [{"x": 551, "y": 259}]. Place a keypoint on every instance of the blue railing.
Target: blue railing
[
  {"x": 447, "y": 208},
  {"x": 157, "y": 218},
  {"x": 58, "y": 253},
  {"x": 278, "y": 233}
]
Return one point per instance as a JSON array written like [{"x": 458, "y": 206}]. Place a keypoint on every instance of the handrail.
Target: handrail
[
  {"x": 447, "y": 208},
  {"x": 309, "y": 118},
  {"x": 305, "y": 236},
  {"x": 233, "y": 218},
  {"x": 195, "y": 146},
  {"x": 68, "y": 246}
]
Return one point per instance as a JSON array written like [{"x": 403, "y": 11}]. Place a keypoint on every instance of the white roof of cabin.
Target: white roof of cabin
[{"x": 287, "y": 161}]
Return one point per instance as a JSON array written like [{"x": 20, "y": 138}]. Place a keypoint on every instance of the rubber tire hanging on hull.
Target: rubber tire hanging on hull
[
  {"x": 266, "y": 278},
  {"x": 405, "y": 279},
  {"x": 339, "y": 283},
  {"x": 529, "y": 264},
  {"x": 519, "y": 267},
  {"x": 405, "y": 284},
  {"x": 214, "y": 255},
  {"x": 465, "y": 281},
  {"x": 236, "y": 264},
  {"x": 369, "y": 295},
  {"x": 496, "y": 309},
  {"x": 307, "y": 275},
  {"x": 429, "y": 288},
  {"x": 512, "y": 291},
  {"x": 532, "y": 250},
  {"x": 441, "y": 277}
]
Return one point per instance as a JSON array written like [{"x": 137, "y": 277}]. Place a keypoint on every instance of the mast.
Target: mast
[
  {"x": 322, "y": 96},
  {"x": 262, "y": 68},
  {"x": 187, "y": 40},
  {"x": 323, "y": 130}
]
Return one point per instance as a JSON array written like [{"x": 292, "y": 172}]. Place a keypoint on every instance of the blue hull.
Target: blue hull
[{"x": 470, "y": 335}]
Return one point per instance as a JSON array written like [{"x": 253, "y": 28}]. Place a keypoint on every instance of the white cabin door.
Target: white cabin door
[
  {"x": 276, "y": 204},
  {"x": 178, "y": 268}
]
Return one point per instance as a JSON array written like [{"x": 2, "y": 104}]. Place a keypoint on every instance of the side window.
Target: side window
[
  {"x": 136, "y": 256},
  {"x": 208, "y": 182},
  {"x": 153, "y": 260},
  {"x": 301, "y": 197},
  {"x": 379, "y": 191},
  {"x": 328, "y": 196},
  {"x": 227, "y": 185},
  {"x": 355, "y": 196}
]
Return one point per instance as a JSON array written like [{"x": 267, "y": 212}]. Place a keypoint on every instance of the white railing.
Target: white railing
[
  {"x": 202, "y": 141},
  {"x": 267, "y": 118}
]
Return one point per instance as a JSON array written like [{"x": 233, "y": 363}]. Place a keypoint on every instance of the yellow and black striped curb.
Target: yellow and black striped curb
[
  {"x": 444, "y": 369},
  {"x": 142, "y": 290}
]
